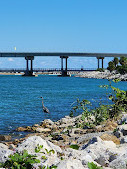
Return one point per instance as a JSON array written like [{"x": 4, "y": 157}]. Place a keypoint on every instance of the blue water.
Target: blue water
[{"x": 20, "y": 102}]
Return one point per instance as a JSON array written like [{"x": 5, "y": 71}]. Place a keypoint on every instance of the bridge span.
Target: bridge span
[
  {"x": 45, "y": 70},
  {"x": 29, "y": 56}
]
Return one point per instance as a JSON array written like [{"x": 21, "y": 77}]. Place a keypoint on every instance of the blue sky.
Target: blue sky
[{"x": 62, "y": 25}]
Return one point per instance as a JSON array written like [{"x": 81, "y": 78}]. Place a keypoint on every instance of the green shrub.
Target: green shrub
[
  {"x": 20, "y": 161},
  {"x": 100, "y": 69},
  {"x": 111, "y": 66},
  {"x": 118, "y": 64},
  {"x": 103, "y": 112}
]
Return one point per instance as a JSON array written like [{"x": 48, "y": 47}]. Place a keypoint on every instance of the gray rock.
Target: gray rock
[
  {"x": 87, "y": 137},
  {"x": 123, "y": 129},
  {"x": 119, "y": 163},
  {"x": 123, "y": 139},
  {"x": 12, "y": 146},
  {"x": 117, "y": 134}
]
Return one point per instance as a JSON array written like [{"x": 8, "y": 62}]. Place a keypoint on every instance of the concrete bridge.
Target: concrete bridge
[{"x": 29, "y": 56}]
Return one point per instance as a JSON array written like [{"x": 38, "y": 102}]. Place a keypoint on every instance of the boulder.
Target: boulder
[
  {"x": 119, "y": 163},
  {"x": 107, "y": 137},
  {"x": 86, "y": 137},
  {"x": 83, "y": 156},
  {"x": 123, "y": 139},
  {"x": 117, "y": 134},
  {"x": 70, "y": 163},
  {"x": 47, "y": 122},
  {"x": 110, "y": 126},
  {"x": 5, "y": 137},
  {"x": 4, "y": 152},
  {"x": 123, "y": 119},
  {"x": 101, "y": 151},
  {"x": 42, "y": 130},
  {"x": 123, "y": 129},
  {"x": 12, "y": 146},
  {"x": 31, "y": 143},
  {"x": 21, "y": 129}
]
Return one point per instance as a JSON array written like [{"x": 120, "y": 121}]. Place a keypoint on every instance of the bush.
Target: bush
[
  {"x": 121, "y": 69},
  {"x": 111, "y": 66},
  {"x": 20, "y": 161},
  {"x": 100, "y": 69},
  {"x": 103, "y": 112},
  {"x": 118, "y": 64}
]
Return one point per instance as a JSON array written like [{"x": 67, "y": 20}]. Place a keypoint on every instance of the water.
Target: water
[{"x": 20, "y": 102}]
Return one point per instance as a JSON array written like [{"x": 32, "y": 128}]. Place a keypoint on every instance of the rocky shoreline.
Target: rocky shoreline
[
  {"x": 105, "y": 145},
  {"x": 102, "y": 75}
]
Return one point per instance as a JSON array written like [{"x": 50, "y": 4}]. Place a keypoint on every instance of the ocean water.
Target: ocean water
[{"x": 20, "y": 102}]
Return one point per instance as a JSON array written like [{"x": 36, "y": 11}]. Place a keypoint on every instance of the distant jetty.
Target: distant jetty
[{"x": 102, "y": 75}]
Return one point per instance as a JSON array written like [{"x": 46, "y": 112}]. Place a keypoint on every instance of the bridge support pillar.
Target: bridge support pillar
[
  {"x": 64, "y": 70},
  {"x": 29, "y": 72},
  {"x": 102, "y": 59}
]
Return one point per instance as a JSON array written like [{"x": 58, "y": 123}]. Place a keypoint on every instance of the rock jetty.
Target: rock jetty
[{"x": 102, "y": 75}]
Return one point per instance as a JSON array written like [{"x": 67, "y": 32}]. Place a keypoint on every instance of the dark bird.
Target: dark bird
[{"x": 45, "y": 109}]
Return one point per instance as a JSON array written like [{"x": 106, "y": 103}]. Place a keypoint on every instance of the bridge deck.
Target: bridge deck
[{"x": 24, "y": 54}]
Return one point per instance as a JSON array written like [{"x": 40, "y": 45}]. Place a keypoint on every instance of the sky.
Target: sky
[{"x": 62, "y": 26}]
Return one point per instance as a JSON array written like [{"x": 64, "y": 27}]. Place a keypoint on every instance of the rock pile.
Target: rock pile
[
  {"x": 102, "y": 153},
  {"x": 105, "y": 145},
  {"x": 102, "y": 75}
]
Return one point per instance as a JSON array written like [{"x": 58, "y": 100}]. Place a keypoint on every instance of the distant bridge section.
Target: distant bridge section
[
  {"x": 29, "y": 56},
  {"x": 46, "y": 70},
  {"x": 70, "y": 54}
]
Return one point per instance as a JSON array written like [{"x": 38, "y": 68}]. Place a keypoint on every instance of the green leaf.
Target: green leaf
[
  {"x": 44, "y": 157},
  {"x": 52, "y": 151},
  {"x": 93, "y": 166},
  {"x": 74, "y": 146}
]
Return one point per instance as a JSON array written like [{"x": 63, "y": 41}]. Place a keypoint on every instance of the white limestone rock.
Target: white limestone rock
[
  {"x": 71, "y": 163},
  {"x": 83, "y": 156},
  {"x": 103, "y": 152},
  {"x": 119, "y": 163},
  {"x": 50, "y": 122},
  {"x": 4, "y": 152},
  {"x": 31, "y": 143}
]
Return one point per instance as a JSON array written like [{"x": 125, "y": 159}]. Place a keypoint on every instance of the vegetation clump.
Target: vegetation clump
[
  {"x": 101, "y": 69},
  {"x": 120, "y": 65},
  {"x": 95, "y": 116},
  {"x": 20, "y": 161}
]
